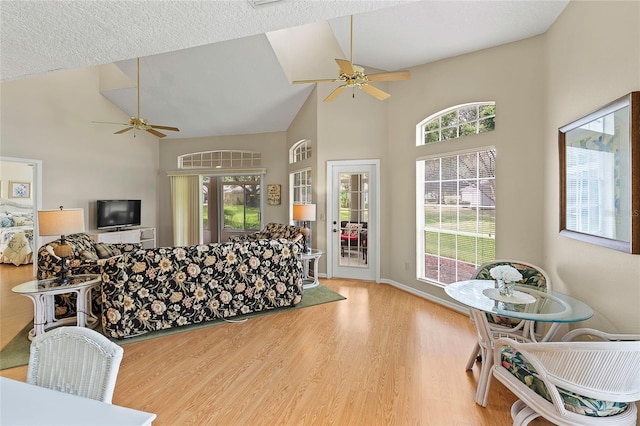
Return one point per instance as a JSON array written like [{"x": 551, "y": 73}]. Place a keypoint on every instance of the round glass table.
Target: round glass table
[
  {"x": 526, "y": 303},
  {"x": 42, "y": 292}
]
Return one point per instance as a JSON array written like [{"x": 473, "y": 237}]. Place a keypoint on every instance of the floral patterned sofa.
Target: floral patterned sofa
[
  {"x": 155, "y": 289},
  {"x": 87, "y": 258}
]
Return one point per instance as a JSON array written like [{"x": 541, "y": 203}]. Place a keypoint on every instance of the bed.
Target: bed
[{"x": 16, "y": 232}]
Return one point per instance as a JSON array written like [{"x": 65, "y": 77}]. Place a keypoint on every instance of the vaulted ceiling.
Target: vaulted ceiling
[{"x": 225, "y": 67}]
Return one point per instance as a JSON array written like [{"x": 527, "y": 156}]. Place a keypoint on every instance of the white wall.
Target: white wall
[
  {"x": 49, "y": 118},
  {"x": 511, "y": 75},
  {"x": 593, "y": 58}
]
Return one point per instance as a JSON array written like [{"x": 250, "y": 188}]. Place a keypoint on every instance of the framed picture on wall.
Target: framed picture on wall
[
  {"x": 600, "y": 176},
  {"x": 273, "y": 194},
  {"x": 19, "y": 189}
]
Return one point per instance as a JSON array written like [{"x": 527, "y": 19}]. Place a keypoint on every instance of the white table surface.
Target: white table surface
[{"x": 25, "y": 404}]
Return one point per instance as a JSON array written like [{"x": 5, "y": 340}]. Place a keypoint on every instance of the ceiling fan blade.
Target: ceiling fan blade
[
  {"x": 345, "y": 66},
  {"x": 324, "y": 80},
  {"x": 390, "y": 76},
  {"x": 110, "y": 122},
  {"x": 155, "y": 132},
  {"x": 123, "y": 130},
  {"x": 335, "y": 93},
  {"x": 174, "y": 129},
  {"x": 375, "y": 92}
]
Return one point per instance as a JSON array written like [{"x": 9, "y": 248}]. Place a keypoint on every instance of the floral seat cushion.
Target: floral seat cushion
[{"x": 518, "y": 365}]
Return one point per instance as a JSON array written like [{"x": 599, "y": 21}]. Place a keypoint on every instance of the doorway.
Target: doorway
[
  {"x": 36, "y": 196},
  {"x": 231, "y": 205},
  {"x": 353, "y": 211}
]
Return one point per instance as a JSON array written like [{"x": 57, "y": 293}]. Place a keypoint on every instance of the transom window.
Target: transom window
[
  {"x": 222, "y": 159},
  {"x": 457, "y": 121},
  {"x": 300, "y": 151},
  {"x": 455, "y": 214}
]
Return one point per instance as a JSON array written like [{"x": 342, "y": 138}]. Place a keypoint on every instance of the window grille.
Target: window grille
[
  {"x": 456, "y": 214},
  {"x": 300, "y": 151},
  {"x": 457, "y": 121},
  {"x": 222, "y": 159}
]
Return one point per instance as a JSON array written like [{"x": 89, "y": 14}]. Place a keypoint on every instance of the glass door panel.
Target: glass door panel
[{"x": 354, "y": 213}]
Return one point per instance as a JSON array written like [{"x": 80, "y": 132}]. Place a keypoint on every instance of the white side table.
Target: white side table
[
  {"x": 42, "y": 292},
  {"x": 308, "y": 281}
]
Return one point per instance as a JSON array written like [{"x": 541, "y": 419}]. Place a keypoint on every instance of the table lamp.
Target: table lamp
[
  {"x": 305, "y": 213},
  {"x": 61, "y": 222}
]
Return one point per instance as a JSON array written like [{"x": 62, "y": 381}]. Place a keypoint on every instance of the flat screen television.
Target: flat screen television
[{"x": 115, "y": 214}]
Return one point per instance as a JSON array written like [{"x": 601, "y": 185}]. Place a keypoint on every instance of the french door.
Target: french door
[
  {"x": 231, "y": 205},
  {"x": 352, "y": 209}
]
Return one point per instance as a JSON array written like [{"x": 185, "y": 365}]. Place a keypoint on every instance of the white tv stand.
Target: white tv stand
[{"x": 146, "y": 236}]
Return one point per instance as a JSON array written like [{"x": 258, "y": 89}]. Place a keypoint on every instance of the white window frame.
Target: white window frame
[
  {"x": 420, "y": 128},
  {"x": 421, "y": 229},
  {"x": 300, "y": 151},
  {"x": 307, "y": 181},
  {"x": 219, "y": 159}
]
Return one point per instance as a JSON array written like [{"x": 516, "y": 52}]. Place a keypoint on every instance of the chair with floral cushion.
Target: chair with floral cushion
[
  {"x": 572, "y": 382},
  {"x": 532, "y": 276}
]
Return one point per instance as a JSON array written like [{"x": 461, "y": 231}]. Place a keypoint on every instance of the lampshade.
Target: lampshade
[
  {"x": 60, "y": 222},
  {"x": 304, "y": 212}
]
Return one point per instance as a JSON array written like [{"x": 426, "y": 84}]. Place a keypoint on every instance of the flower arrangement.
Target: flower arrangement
[{"x": 505, "y": 273}]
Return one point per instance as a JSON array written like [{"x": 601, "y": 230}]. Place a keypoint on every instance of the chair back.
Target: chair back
[
  {"x": 532, "y": 275},
  {"x": 571, "y": 383},
  {"x": 75, "y": 360}
]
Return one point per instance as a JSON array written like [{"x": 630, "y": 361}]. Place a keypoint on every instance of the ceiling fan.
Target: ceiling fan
[
  {"x": 354, "y": 76},
  {"x": 137, "y": 123}
]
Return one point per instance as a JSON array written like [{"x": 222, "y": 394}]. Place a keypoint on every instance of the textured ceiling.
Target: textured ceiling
[{"x": 209, "y": 68}]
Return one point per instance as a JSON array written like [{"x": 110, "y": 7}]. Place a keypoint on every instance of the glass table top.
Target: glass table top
[
  {"x": 51, "y": 284},
  {"x": 526, "y": 303}
]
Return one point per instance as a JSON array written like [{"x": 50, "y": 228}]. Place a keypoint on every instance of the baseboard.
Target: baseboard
[
  {"x": 430, "y": 297},
  {"x": 416, "y": 292}
]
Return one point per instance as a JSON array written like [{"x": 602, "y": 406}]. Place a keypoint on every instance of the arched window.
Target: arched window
[
  {"x": 221, "y": 159},
  {"x": 457, "y": 121},
  {"x": 300, "y": 151}
]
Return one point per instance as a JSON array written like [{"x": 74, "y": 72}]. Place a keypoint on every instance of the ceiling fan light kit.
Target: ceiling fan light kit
[
  {"x": 354, "y": 76},
  {"x": 137, "y": 123}
]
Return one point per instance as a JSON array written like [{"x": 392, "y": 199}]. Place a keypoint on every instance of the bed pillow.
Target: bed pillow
[
  {"x": 22, "y": 221},
  {"x": 6, "y": 222}
]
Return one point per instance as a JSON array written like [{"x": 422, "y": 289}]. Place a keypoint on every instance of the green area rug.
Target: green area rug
[{"x": 16, "y": 352}]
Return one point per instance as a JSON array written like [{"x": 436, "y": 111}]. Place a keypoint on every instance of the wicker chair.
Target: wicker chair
[
  {"x": 75, "y": 360},
  {"x": 572, "y": 383},
  {"x": 532, "y": 276}
]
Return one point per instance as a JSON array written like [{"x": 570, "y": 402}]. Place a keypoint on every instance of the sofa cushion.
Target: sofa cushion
[
  {"x": 105, "y": 250},
  {"x": 89, "y": 255},
  {"x": 518, "y": 365}
]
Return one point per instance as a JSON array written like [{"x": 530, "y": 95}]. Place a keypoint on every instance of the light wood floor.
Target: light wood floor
[{"x": 381, "y": 357}]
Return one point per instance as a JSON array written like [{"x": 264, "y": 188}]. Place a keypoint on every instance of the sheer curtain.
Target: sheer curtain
[{"x": 185, "y": 200}]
